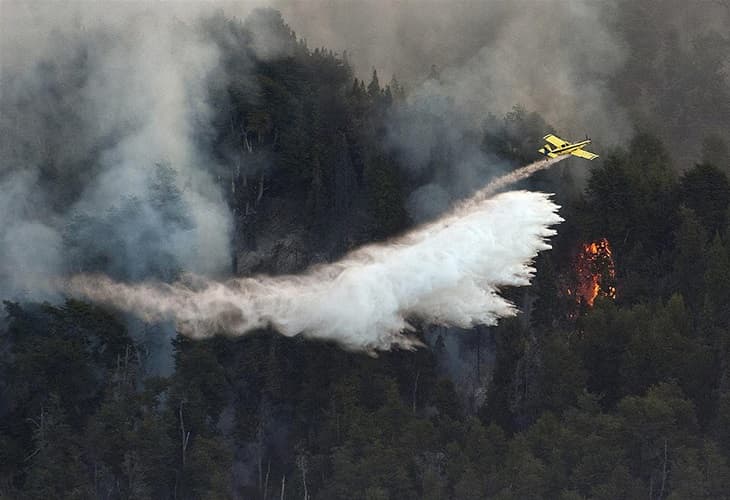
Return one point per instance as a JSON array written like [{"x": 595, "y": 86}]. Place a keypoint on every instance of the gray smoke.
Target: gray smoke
[
  {"x": 103, "y": 120},
  {"x": 553, "y": 57},
  {"x": 588, "y": 67},
  {"x": 463, "y": 63}
]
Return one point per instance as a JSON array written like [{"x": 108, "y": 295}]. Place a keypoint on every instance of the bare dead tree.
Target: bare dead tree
[
  {"x": 261, "y": 189},
  {"x": 260, "y": 453},
  {"x": 185, "y": 436},
  {"x": 664, "y": 470},
  {"x": 40, "y": 430},
  {"x": 415, "y": 389},
  {"x": 303, "y": 466},
  {"x": 127, "y": 357},
  {"x": 266, "y": 481},
  {"x": 283, "y": 483},
  {"x": 651, "y": 486}
]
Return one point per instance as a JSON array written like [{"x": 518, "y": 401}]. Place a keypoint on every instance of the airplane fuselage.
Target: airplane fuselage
[
  {"x": 555, "y": 146},
  {"x": 564, "y": 150}
]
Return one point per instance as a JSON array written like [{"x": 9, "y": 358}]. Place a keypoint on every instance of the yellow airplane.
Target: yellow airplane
[{"x": 555, "y": 146}]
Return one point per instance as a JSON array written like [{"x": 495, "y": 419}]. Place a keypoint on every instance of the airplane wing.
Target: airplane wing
[
  {"x": 556, "y": 141},
  {"x": 580, "y": 153}
]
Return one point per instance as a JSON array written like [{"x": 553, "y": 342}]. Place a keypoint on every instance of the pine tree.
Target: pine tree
[{"x": 374, "y": 87}]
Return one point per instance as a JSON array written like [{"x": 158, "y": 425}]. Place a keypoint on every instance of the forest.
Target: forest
[{"x": 613, "y": 382}]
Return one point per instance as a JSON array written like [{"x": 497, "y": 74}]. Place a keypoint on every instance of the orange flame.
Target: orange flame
[{"x": 595, "y": 273}]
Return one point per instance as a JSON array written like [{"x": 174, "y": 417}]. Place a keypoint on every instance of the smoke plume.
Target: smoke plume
[
  {"x": 447, "y": 272},
  {"x": 103, "y": 126},
  {"x": 601, "y": 68},
  {"x": 554, "y": 57}
]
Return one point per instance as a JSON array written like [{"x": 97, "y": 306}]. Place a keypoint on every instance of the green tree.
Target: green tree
[
  {"x": 706, "y": 190},
  {"x": 56, "y": 465},
  {"x": 374, "y": 87},
  {"x": 657, "y": 425},
  {"x": 689, "y": 260}
]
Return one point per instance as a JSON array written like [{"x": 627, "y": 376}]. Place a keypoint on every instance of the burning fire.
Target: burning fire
[{"x": 594, "y": 273}]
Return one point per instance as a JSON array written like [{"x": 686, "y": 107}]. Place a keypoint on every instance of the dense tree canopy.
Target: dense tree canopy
[{"x": 628, "y": 398}]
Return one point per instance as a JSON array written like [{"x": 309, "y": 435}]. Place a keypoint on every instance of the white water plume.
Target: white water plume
[{"x": 447, "y": 272}]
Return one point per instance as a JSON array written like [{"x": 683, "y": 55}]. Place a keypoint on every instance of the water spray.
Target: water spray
[{"x": 447, "y": 272}]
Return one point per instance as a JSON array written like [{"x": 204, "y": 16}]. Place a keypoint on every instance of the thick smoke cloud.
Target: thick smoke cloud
[
  {"x": 598, "y": 68},
  {"x": 447, "y": 272},
  {"x": 103, "y": 124},
  {"x": 464, "y": 63},
  {"x": 553, "y": 57}
]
